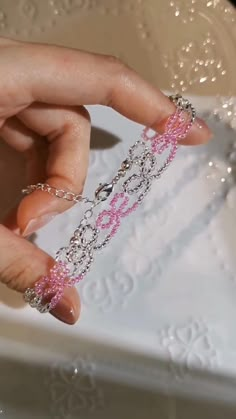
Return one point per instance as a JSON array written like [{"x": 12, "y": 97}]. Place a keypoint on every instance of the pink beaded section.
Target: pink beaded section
[
  {"x": 176, "y": 128},
  {"x": 52, "y": 286},
  {"x": 115, "y": 214}
]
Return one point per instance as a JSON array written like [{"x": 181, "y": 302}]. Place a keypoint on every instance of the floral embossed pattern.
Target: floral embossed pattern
[
  {"x": 33, "y": 17},
  {"x": 108, "y": 293},
  {"x": 185, "y": 10},
  {"x": 195, "y": 59},
  {"x": 188, "y": 346},
  {"x": 188, "y": 68},
  {"x": 61, "y": 7},
  {"x": 26, "y": 17},
  {"x": 73, "y": 389}
]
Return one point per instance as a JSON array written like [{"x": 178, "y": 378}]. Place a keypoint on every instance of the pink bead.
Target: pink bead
[
  {"x": 177, "y": 126},
  {"x": 54, "y": 283},
  {"x": 115, "y": 213}
]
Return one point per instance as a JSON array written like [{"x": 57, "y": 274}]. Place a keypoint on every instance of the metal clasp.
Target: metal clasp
[
  {"x": 183, "y": 105},
  {"x": 103, "y": 191}
]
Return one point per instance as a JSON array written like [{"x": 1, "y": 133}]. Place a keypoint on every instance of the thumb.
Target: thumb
[{"x": 22, "y": 264}]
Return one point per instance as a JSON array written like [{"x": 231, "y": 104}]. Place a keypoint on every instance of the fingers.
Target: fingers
[
  {"x": 64, "y": 76},
  {"x": 17, "y": 135},
  {"x": 68, "y": 133},
  {"x": 28, "y": 142},
  {"x": 21, "y": 265}
]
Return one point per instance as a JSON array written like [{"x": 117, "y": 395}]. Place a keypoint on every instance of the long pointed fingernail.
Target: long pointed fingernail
[
  {"x": 36, "y": 223},
  {"x": 65, "y": 312},
  {"x": 201, "y": 124}
]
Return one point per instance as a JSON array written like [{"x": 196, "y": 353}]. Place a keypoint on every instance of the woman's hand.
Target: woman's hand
[{"x": 43, "y": 90}]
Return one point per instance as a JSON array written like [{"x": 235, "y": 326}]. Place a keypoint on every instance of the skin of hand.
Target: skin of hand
[{"x": 42, "y": 115}]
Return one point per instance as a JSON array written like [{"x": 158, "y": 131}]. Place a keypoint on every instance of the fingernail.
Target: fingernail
[
  {"x": 37, "y": 223},
  {"x": 201, "y": 124},
  {"x": 64, "y": 312}
]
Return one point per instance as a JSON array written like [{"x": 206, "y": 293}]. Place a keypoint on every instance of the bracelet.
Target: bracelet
[{"x": 126, "y": 191}]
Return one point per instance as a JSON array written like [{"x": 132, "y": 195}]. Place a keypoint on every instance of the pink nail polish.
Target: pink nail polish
[{"x": 37, "y": 223}]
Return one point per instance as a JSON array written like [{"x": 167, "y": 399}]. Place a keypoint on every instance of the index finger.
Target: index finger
[{"x": 63, "y": 76}]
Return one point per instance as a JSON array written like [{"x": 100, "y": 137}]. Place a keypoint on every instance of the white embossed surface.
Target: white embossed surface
[{"x": 157, "y": 331}]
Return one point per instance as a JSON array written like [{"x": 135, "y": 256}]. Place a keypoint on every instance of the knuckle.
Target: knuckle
[
  {"x": 78, "y": 186},
  {"x": 75, "y": 184},
  {"x": 120, "y": 75},
  {"x": 82, "y": 111},
  {"x": 15, "y": 275},
  {"x": 75, "y": 115},
  {"x": 118, "y": 66},
  {"x": 82, "y": 183}
]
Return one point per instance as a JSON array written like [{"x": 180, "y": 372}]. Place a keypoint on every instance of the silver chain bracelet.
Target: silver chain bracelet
[{"x": 125, "y": 191}]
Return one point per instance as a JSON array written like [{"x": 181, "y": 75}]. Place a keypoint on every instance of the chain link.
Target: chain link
[
  {"x": 59, "y": 193},
  {"x": 101, "y": 194}
]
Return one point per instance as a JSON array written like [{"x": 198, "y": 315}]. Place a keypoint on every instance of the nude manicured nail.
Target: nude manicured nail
[
  {"x": 37, "y": 223},
  {"x": 201, "y": 124},
  {"x": 65, "y": 312}
]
